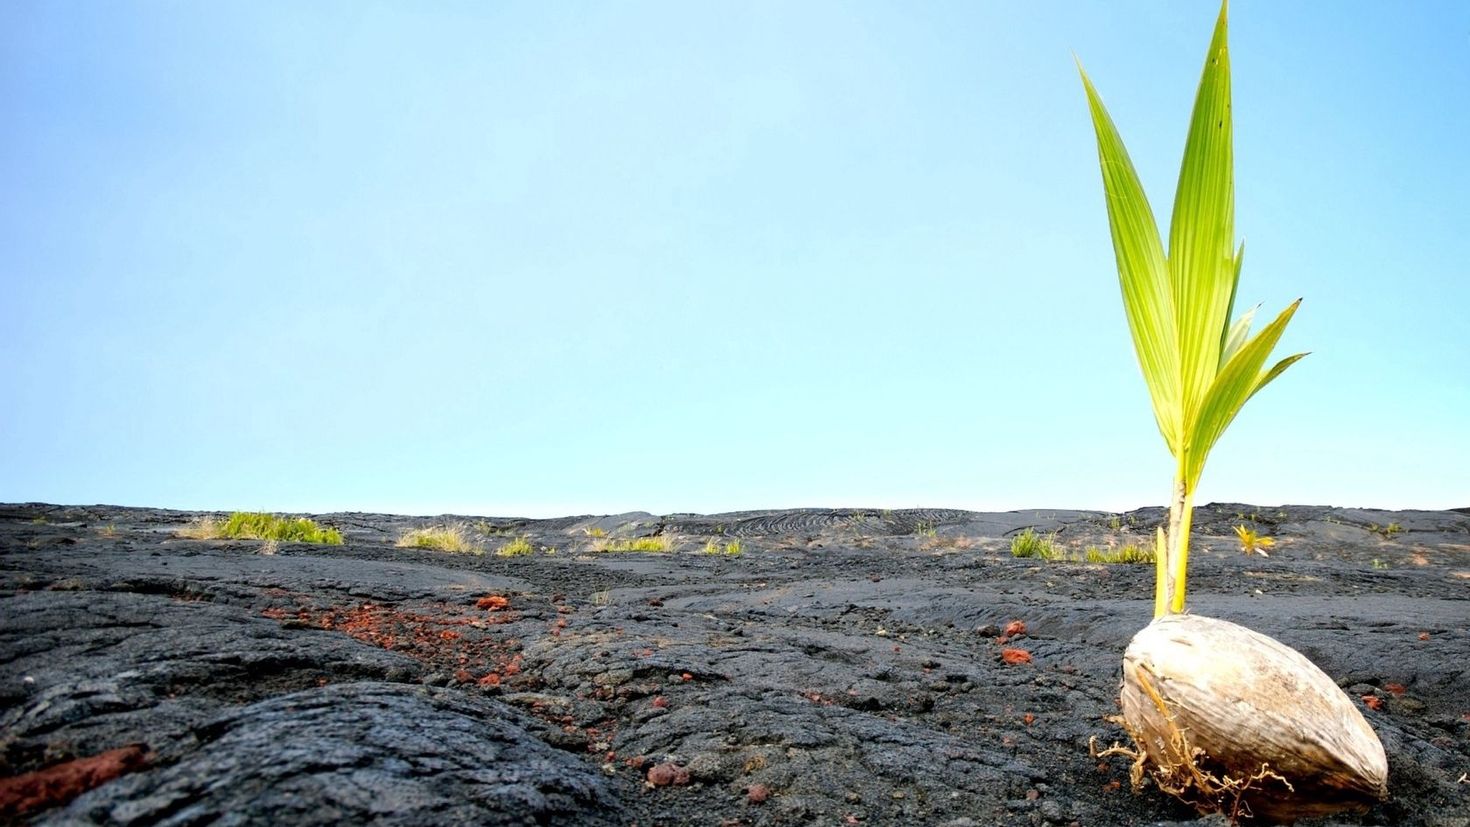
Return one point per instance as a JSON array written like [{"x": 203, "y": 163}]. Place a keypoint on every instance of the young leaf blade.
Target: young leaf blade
[
  {"x": 1240, "y": 378},
  {"x": 1143, "y": 272},
  {"x": 1202, "y": 263}
]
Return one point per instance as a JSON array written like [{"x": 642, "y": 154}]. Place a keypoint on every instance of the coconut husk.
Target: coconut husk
[{"x": 1236, "y": 722}]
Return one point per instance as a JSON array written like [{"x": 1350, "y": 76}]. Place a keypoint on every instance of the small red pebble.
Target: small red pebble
[
  {"x": 1015, "y": 627},
  {"x": 1028, "y": 718},
  {"x": 463, "y": 676},
  {"x": 1372, "y": 702},
  {"x": 1396, "y": 689},
  {"x": 1015, "y": 656},
  {"x": 662, "y": 775},
  {"x": 686, "y": 677},
  {"x": 757, "y": 793},
  {"x": 492, "y": 603},
  {"x": 1424, "y": 636},
  {"x": 491, "y": 679},
  {"x": 660, "y": 702}
]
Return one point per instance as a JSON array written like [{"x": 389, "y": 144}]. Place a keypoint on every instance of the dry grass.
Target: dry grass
[
  {"x": 935, "y": 542},
  {"x": 201, "y": 528}
]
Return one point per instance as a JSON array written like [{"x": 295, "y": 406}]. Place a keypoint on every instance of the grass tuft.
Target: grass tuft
[
  {"x": 1387, "y": 531},
  {"x": 255, "y": 525},
  {"x": 1129, "y": 554},
  {"x": 452, "y": 538},
  {"x": 661, "y": 543},
  {"x": 1030, "y": 544},
  {"x": 516, "y": 548},
  {"x": 732, "y": 548}
]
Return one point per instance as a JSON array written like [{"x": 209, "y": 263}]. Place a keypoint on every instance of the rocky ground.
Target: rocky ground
[{"x": 844, "y": 668}]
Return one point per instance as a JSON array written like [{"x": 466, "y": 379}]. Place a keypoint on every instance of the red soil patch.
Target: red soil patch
[
  {"x": 60, "y": 783},
  {"x": 450, "y": 637}
]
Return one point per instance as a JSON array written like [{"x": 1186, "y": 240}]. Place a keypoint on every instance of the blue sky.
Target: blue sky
[{"x": 538, "y": 259}]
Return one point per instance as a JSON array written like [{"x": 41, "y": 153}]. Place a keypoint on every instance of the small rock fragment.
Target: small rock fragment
[
  {"x": 662, "y": 775},
  {"x": 1015, "y": 656}
]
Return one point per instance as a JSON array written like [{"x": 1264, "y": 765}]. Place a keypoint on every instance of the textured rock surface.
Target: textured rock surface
[{"x": 846, "y": 665}]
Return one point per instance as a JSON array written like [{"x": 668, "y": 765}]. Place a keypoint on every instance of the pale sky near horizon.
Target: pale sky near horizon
[{"x": 539, "y": 259}]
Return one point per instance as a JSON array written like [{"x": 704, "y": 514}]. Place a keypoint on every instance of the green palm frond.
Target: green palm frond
[{"x": 1200, "y": 368}]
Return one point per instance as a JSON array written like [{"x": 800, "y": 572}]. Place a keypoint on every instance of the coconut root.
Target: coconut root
[{"x": 1181, "y": 770}]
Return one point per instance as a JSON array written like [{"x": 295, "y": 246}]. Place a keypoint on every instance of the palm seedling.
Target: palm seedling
[
  {"x": 1252, "y": 542},
  {"x": 1260, "y": 728}
]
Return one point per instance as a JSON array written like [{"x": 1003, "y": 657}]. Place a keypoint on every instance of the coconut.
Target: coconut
[{"x": 1233, "y": 721}]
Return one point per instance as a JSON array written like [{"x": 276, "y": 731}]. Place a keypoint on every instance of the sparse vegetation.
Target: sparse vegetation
[
  {"x": 1386, "y": 531},
  {"x": 925, "y": 529},
  {"x": 1115, "y": 522},
  {"x": 595, "y": 531},
  {"x": 1252, "y": 542},
  {"x": 1379, "y": 564},
  {"x": 108, "y": 531},
  {"x": 1127, "y": 555},
  {"x": 452, "y": 538},
  {"x": 949, "y": 541},
  {"x": 732, "y": 548},
  {"x": 1045, "y": 547},
  {"x": 516, "y": 548},
  {"x": 1030, "y": 544},
  {"x": 659, "y": 543},
  {"x": 256, "y": 525}
]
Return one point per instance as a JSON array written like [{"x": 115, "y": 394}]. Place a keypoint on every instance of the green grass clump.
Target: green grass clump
[
  {"x": 1045, "y": 547},
  {"x": 1129, "y": 554},
  {"x": 260, "y": 526},
  {"x": 1030, "y": 544},
  {"x": 254, "y": 525},
  {"x": 516, "y": 548},
  {"x": 453, "y": 538},
  {"x": 732, "y": 548},
  {"x": 660, "y": 543}
]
